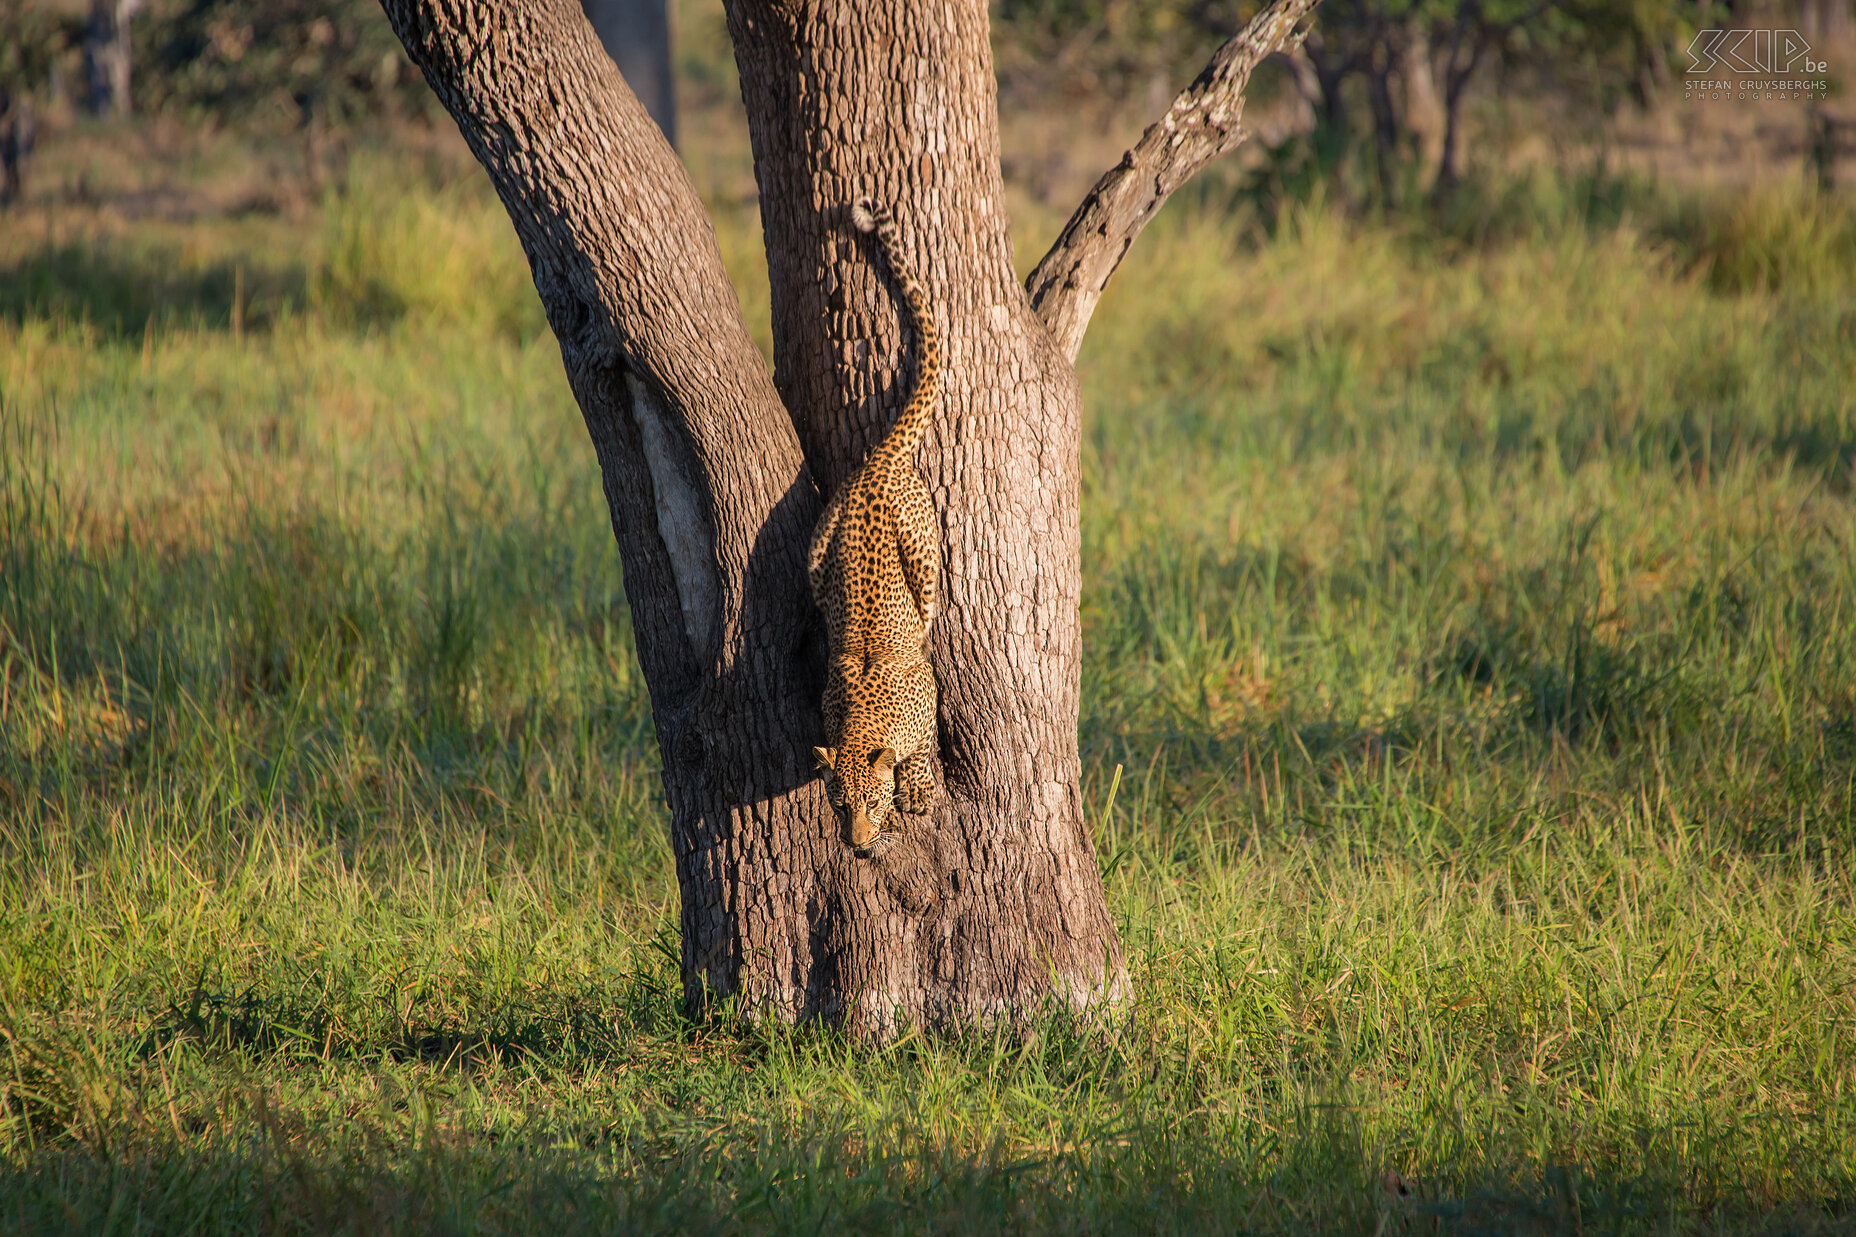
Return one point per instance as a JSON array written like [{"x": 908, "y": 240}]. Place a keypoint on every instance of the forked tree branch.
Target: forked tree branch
[
  {"x": 1202, "y": 124},
  {"x": 698, "y": 456}
]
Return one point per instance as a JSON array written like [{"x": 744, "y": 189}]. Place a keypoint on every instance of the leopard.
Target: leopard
[{"x": 874, "y": 566}]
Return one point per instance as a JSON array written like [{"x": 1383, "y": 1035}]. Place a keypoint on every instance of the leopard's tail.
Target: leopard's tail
[{"x": 909, "y": 427}]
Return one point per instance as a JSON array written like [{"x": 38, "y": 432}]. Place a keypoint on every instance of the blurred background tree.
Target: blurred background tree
[
  {"x": 298, "y": 61},
  {"x": 1384, "y": 82},
  {"x": 636, "y": 34},
  {"x": 1390, "y": 105},
  {"x": 37, "y": 44},
  {"x": 108, "y": 56},
  {"x": 263, "y": 64}
]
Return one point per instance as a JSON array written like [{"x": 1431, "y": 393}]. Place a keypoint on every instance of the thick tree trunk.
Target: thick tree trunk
[
  {"x": 994, "y": 903},
  {"x": 636, "y": 34},
  {"x": 991, "y": 906},
  {"x": 1002, "y": 899}
]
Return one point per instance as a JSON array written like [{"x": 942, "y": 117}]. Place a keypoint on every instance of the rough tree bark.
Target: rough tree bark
[{"x": 991, "y": 906}]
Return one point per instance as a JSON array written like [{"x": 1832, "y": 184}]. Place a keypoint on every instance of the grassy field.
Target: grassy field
[{"x": 1469, "y": 716}]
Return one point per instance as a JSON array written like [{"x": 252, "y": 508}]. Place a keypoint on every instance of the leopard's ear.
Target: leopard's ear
[
  {"x": 825, "y": 757},
  {"x": 883, "y": 760}
]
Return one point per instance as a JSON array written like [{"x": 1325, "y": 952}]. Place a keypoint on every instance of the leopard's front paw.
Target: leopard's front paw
[{"x": 915, "y": 790}]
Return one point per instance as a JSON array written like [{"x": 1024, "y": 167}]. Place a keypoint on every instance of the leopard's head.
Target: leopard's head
[{"x": 861, "y": 782}]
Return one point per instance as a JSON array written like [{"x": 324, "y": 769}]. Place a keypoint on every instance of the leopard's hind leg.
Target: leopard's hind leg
[
  {"x": 918, "y": 548},
  {"x": 820, "y": 546}
]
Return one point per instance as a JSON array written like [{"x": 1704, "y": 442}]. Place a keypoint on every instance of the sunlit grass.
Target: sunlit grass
[{"x": 1469, "y": 719}]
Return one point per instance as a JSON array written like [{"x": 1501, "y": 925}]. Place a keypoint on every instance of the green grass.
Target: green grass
[{"x": 1469, "y": 717}]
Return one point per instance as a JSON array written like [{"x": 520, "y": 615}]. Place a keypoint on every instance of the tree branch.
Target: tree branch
[
  {"x": 1202, "y": 124},
  {"x": 701, "y": 464}
]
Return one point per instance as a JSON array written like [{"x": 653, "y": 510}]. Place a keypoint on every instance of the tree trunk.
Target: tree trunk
[
  {"x": 636, "y": 34},
  {"x": 16, "y": 136},
  {"x": 992, "y": 905},
  {"x": 1423, "y": 110},
  {"x": 1318, "y": 75},
  {"x": 1466, "y": 46},
  {"x": 106, "y": 56},
  {"x": 1380, "y": 62},
  {"x": 1820, "y": 154},
  {"x": 998, "y": 896}
]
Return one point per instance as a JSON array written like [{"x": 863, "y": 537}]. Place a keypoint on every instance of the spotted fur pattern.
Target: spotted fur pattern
[{"x": 875, "y": 566}]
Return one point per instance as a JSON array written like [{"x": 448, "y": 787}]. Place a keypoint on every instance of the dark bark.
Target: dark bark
[
  {"x": 991, "y": 906},
  {"x": 17, "y": 132},
  {"x": 1821, "y": 145},
  {"x": 636, "y": 34},
  {"x": 1379, "y": 66}
]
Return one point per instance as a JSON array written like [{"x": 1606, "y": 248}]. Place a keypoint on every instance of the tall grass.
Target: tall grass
[{"x": 1469, "y": 717}]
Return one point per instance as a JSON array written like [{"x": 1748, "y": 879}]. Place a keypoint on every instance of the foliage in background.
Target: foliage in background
[
  {"x": 1385, "y": 81},
  {"x": 36, "y": 41},
  {"x": 265, "y": 65},
  {"x": 1782, "y": 235},
  {"x": 280, "y": 62},
  {"x": 1105, "y": 51}
]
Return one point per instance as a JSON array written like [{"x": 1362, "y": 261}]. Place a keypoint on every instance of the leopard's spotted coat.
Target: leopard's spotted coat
[{"x": 875, "y": 567}]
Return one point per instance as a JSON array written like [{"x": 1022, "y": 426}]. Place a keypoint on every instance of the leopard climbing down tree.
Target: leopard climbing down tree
[
  {"x": 706, "y": 457},
  {"x": 875, "y": 565}
]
